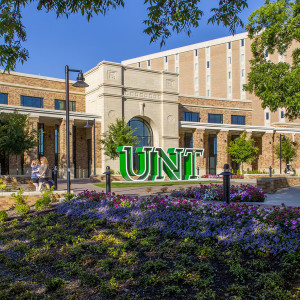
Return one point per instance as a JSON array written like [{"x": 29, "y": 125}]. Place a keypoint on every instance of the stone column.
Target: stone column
[
  {"x": 97, "y": 149},
  {"x": 199, "y": 142},
  {"x": 222, "y": 155}
]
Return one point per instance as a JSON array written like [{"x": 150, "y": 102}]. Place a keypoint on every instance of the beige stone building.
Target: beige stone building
[{"x": 189, "y": 96}]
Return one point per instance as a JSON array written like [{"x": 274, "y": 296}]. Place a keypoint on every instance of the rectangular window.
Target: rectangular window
[
  {"x": 191, "y": 117},
  {"x": 229, "y": 60},
  {"x": 32, "y": 101},
  {"x": 243, "y": 57},
  {"x": 229, "y": 75},
  {"x": 149, "y": 63},
  {"x": 208, "y": 79},
  {"x": 166, "y": 59},
  {"x": 176, "y": 56},
  {"x": 3, "y": 98},
  {"x": 243, "y": 73},
  {"x": 267, "y": 116},
  {"x": 267, "y": 53},
  {"x": 207, "y": 50},
  {"x": 215, "y": 118},
  {"x": 188, "y": 140},
  {"x": 196, "y": 52},
  {"x": 41, "y": 139},
  {"x": 229, "y": 90},
  {"x": 229, "y": 45},
  {"x": 177, "y": 70},
  {"x": 196, "y": 67},
  {"x": 242, "y": 42},
  {"x": 197, "y": 93},
  {"x": 282, "y": 114},
  {"x": 196, "y": 81},
  {"x": 208, "y": 93},
  {"x": 238, "y": 120},
  {"x": 139, "y": 64},
  {"x": 61, "y": 105},
  {"x": 207, "y": 64}
]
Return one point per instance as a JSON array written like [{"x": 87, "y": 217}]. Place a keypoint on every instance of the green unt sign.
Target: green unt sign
[{"x": 177, "y": 163}]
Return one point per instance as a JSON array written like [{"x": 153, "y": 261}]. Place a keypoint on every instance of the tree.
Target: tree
[
  {"x": 16, "y": 134},
  {"x": 118, "y": 134},
  {"x": 164, "y": 18},
  {"x": 288, "y": 150},
  {"x": 275, "y": 27},
  {"x": 242, "y": 150}
]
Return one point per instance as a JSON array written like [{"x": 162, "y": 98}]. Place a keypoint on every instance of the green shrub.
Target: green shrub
[
  {"x": 53, "y": 283},
  {"x": 3, "y": 216},
  {"x": 46, "y": 199},
  {"x": 69, "y": 196},
  {"x": 22, "y": 209},
  {"x": 18, "y": 197},
  {"x": 2, "y": 185}
]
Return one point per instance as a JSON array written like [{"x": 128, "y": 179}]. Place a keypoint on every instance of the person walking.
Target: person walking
[
  {"x": 45, "y": 173},
  {"x": 35, "y": 164}
]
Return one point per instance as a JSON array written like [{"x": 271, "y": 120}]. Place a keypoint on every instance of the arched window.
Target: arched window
[{"x": 143, "y": 132}]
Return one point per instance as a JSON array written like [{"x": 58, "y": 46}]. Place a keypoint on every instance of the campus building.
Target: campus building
[{"x": 185, "y": 97}]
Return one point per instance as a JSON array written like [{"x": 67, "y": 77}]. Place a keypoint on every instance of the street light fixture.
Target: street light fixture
[
  {"x": 282, "y": 138},
  {"x": 79, "y": 83}
]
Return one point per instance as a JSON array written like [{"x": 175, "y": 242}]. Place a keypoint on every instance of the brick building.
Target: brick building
[{"x": 189, "y": 96}]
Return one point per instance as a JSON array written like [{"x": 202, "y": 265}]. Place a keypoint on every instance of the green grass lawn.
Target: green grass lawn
[
  {"x": 49, "y": 256},
  {"x": 149, "y": 183}
]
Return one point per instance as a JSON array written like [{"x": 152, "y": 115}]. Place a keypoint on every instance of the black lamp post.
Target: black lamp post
[
  {"x": 282, "y": 138},
  {"x": 79, "y": 83}
]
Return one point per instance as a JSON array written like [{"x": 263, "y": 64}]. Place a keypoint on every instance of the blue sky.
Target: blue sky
[{"x": 53, "y": 43}]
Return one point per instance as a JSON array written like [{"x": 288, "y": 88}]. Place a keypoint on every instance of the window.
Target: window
[
  {"x": 214, "y": 118},
  {"x": 267, "y": 116},
  {"x": 188, "y": 140},
  {"x": 196, "y": 52},
  {"x": 196, "y": 93},
  {"x": 191, "y": 117},
  {"x": 196, "y": 81},
  {"x": 149, "y": 63},
  {"x": 229, "y": 90},
  {"x": 208, "y": 93},
  {"x": 207, "y": 79},
  {"x": 207, "y": 64},
  {"x": 176, "y": 56},
  {"x": 177, "y": 70},
  {"x": 41, "y": 139},
  {"x": 166, "y": 59},
  {"x": 238, "y": 120},
  {"x": 139, "y": 64},
  {"x": 196, "y": 67},
  {"x": 267, "y": 53},
  {"x": 32, "y": 101},
  {"x": 229, "y": 45},
  {"x": 282, "y": 114},
  {"x": 243, "y": 57},
  {"x": 3, "y": 98},
  {"x": 229, "y": 75},
  {"x": 243, "y": 73},
  {"x": 61, "y": 105},
  {"x": 229, "y": 60},
  {"x": 242, "y": 42},
  {"x": 207, "y": 50}
]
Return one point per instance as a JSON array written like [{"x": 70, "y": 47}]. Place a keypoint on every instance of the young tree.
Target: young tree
[
  {"x": 275, "y": 27},
  {"x": 288, "y": 150},
  {"x": 164, "y": 18},
  {"x": 16, "y": 134},
  {"x": 242, "y": 150},
  {"x": 118, "y": 134}
]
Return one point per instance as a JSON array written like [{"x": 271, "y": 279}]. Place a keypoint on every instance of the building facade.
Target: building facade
[{"x": 189, "y": 97}]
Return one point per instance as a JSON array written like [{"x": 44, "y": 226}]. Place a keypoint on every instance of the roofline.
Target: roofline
[{"x": 187, "y": 48}]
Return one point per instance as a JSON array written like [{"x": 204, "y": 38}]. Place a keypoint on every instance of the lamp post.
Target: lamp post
[
  {"x": 79, "y": 83},
  {"x": 282, "y": 137}
]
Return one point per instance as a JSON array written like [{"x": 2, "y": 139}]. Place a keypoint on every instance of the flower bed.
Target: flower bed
[
  {"x": 214, "y": 192},
  {"x": 237, "y": 176},
  {"x": 252, "y": 229}
]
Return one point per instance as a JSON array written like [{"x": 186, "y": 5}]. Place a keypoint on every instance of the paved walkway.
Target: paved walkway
[{"x": 288, "y": 196}]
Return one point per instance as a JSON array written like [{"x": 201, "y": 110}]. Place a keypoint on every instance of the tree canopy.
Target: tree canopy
[
  {"x": 288, "y": 150},
  {"x": 275, "y": 28},
  {"x": 164, "y": 18},
  {"x": 118, "y": 134},
  {"x": 242, "y": 150}
]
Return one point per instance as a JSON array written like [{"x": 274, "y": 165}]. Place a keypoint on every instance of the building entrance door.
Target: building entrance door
[
  {"x": 212, "y": 153},
  {"x": 4, "y": 163}
]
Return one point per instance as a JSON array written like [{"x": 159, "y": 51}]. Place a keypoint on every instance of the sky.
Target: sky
[{"x": 53, "y": 43}]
